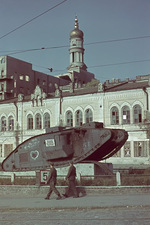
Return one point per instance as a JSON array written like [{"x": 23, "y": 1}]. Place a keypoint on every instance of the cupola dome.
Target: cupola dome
[{"x": 76, "y": 32}]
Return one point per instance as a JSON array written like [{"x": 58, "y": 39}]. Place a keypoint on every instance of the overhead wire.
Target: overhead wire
[
  {"x": 13, "y": 52},
  {"x": 104, "y": 65},
  {"x": 94, "y": 66},
  {"x": 29, "y": 21},
  {"x": 121, "y": 63},
  {"x": 116, "y": 40},
  {"x": 66, "y": 46}
]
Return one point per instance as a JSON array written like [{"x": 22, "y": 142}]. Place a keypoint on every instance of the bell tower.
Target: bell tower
[{"x": 76, "y": 49}]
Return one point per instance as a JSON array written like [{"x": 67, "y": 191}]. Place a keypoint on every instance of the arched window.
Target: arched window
[
  {"x": 3, "y": 123},
  {"x": 137, "y": 114},
  {"x": 30, "y": 122},
  {"x": 46, "y": 120},
  {"x": 88, "y": 116},
  {"x": 78, "y": 118},
  {"x": 114, "y": 115},
  {"x": 38, "y": 121},
  {"x": 69, "y": 118},
  {"x": 10, "y": 123},
  {"x": 125, "y": 115}
]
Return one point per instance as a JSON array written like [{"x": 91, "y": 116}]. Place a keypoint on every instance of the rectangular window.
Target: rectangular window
[
  {"x": 15, "y": 84},
  {"x": 126, "y": 117},
  {"x": 3, "y": 125},
  {"x": 38, "y": 123},
  {"x": 27, "y": 78},
  {"x": 1, "y": 154},
  {"x": 8, "y": 148},
  {"x": 30, "y": 123},
  {"x": 2, "y": 87},
  {"x": 140, "y": 148},
  {"x": 11, "y": 124},
  {"x": 115, "y": 118},
  {"x": 127, "y": 149},
  {"x": 21, "y": 77}
]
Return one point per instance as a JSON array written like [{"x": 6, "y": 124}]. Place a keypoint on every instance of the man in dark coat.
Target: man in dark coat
[
  {"x": 52, "y": 181},
  {"x": 71, "y": 177}
]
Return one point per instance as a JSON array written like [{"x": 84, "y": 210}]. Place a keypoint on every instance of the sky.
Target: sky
[{"x": 116, "y": 35}]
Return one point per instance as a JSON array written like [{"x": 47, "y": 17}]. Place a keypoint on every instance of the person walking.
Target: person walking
[
  {"x": 71, "y": 177},
  {"x": 51, "y": 180}
]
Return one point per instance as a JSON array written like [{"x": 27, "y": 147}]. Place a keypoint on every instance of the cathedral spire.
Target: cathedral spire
[{"x": 76, "y": 48}]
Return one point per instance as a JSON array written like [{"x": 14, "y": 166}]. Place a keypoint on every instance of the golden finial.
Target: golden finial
[{"x": 76, "y": 26}]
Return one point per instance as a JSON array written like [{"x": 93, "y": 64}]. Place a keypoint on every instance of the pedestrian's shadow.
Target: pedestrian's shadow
[{"x": 81, "y": 192}]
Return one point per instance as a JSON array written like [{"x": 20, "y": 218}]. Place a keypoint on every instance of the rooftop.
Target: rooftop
[{"x": 109, "y": 86}]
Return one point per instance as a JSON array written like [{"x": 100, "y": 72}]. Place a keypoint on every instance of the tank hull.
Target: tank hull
[{"x": 61, "y": 145}]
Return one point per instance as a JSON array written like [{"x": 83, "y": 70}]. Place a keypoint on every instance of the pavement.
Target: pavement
[
  {"x": 99, "y": 206},
  {"x": 93, "y": 201}
]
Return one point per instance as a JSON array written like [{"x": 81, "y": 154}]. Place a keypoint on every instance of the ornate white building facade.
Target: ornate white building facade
[
  {"x": 118, "y": 104},
  {"x": 127, "y": 107}
]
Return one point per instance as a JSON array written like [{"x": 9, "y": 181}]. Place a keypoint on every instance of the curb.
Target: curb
[{"x": 40, "y": 191}]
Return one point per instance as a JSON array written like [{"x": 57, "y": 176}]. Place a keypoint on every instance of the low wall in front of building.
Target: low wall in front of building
[{"x": 41, "y": 191}]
